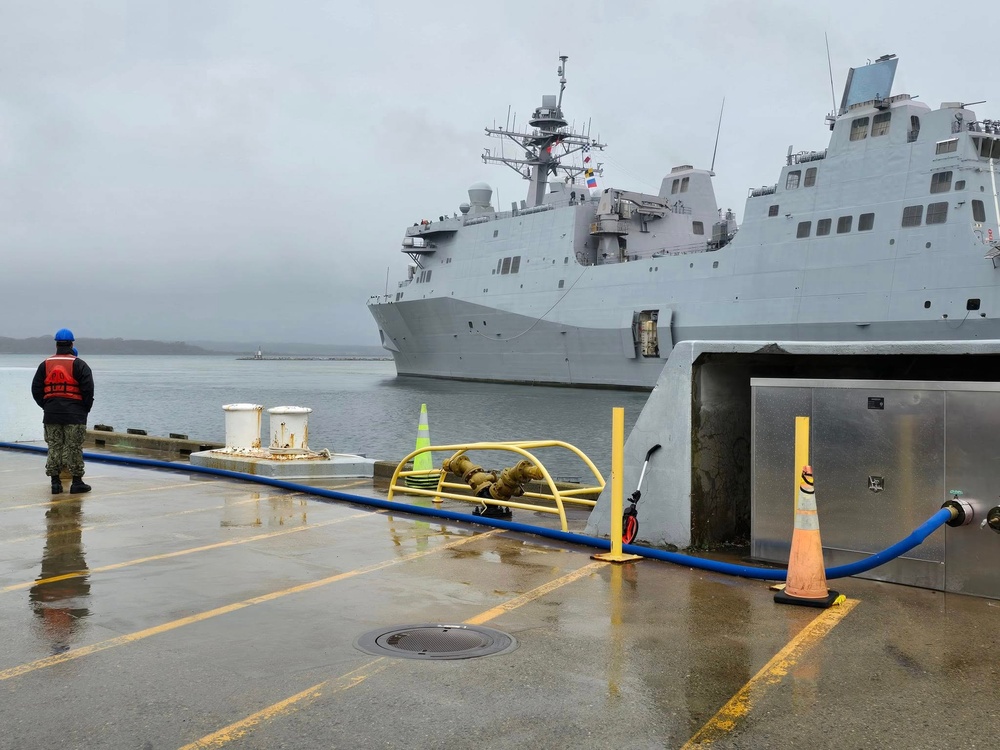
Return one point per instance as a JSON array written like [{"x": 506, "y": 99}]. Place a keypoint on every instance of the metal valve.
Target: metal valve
[{"x": 993, "y": 519}]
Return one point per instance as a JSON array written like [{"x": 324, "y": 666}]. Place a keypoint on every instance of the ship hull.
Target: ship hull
[{"x": 505, "y": 347}]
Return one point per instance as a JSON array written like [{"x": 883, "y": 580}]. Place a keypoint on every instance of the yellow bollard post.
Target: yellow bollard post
[
  {"x": 801, "y": 459},
  {"x": 617, "y": 483},
  {"x": 801, "y": 455}
]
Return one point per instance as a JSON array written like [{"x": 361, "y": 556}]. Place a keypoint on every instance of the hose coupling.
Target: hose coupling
[
  {"x": 962, "y": 511},
  {"x": 993, "y": 519}
]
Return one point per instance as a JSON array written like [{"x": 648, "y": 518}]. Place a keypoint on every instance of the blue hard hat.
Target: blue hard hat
[{"x": 64, "y": 334}]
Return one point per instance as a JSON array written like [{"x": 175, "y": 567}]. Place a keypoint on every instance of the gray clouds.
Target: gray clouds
[{"x": 192, "y": 170}]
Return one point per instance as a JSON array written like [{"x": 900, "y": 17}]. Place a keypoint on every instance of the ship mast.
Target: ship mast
[{"x": 545, "y": 146}]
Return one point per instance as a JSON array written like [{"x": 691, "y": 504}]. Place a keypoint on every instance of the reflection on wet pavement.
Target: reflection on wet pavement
[{"x": 59, "y": 597}]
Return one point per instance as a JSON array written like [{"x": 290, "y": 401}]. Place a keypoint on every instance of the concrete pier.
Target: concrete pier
[{"x": 165, "y": 610}]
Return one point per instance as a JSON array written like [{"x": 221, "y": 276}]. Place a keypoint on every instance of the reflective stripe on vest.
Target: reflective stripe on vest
[{"x": 59, "y": 380}]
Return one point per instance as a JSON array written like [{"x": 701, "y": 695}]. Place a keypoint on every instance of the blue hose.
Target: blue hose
[{"x": 715, "y": 566}]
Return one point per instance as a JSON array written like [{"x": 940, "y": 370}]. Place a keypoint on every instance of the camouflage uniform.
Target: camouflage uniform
[
  {"x": 64, "y": 387},
  {"x": 65, "y": 443}
]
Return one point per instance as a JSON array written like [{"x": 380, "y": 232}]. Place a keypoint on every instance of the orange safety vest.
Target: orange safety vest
[{"x": 59, "y": 380}]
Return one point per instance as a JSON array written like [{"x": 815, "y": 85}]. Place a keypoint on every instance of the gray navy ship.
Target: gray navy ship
[{"x": 888, "y": 234}]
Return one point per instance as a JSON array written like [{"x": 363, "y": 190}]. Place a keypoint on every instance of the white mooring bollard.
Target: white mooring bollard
[
  {"x": 289, "y": 427},
  {"x": 243, "y": 425}
]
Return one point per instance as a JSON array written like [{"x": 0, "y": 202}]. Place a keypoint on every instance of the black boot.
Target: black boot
[
  {"x": 56, "y": 486},
  {"x": 78, "y": 486}
]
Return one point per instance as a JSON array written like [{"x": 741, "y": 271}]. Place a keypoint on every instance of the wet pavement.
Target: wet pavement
[{"x": 168, "y": 610}]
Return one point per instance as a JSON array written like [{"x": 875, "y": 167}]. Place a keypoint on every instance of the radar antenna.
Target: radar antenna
[
  {"x": 717, "y": 131},
  {"x": 546, "y": 145}
]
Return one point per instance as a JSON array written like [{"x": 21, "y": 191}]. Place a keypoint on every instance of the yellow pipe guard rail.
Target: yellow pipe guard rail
[{"x": 559, "y": 498}]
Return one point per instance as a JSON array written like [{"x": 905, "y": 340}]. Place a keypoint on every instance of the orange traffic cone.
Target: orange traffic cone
[{"x": 806, "y": 581}]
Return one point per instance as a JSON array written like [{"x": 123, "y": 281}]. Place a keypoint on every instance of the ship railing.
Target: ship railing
[
  {"x": 701, "y": 247},
  {"x": 508, "y": 214},
  {"x": 765, "y": 190},
  {"x": 437, "y": 485},
  {"x": 807, "y": 156}
]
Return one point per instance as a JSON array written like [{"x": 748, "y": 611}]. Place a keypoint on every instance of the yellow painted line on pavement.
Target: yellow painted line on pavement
[
  {"x": 243, "y": 727},
  {"x": 179, "y": 553},
  {"x": 143, "y": 519},
  {"x": 101, "y": 495},
  {"x": 737, "y": 708},
  {"x": 238, "y": 729},
  {"x": 542, "y": 590},
  {"x": 78, "y": 653}
]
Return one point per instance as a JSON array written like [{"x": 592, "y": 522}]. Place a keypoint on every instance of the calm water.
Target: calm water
[{"x": 358, "y": 407}]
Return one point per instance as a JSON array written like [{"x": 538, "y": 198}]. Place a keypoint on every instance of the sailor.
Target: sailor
[{"x": 64, "y": 387}]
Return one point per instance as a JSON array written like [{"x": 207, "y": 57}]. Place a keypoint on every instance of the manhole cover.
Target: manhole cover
[{"x": 431, "y": 641}]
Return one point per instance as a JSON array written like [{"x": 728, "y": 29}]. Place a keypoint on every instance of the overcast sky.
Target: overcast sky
[{"x": 245, "y": 170}]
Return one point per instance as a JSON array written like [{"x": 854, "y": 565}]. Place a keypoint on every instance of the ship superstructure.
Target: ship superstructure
[{"x": 889, "y": 233}]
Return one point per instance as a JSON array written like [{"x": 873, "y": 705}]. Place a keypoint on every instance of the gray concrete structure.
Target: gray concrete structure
[
  {"x": 305, "y": 467},
  {"x": 697, "y": 489}
]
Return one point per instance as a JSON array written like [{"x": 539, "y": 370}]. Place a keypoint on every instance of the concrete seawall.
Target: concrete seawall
[{"x": 180, "y": 448}]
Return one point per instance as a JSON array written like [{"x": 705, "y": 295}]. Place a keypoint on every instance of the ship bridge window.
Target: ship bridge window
[
  {"x": 804, "y": 228},
  {"x": 684, "y": 184},
  {"x": 859, "y": 129},
  {"x": 823, "y": 227},
  {"x": 937, "y": 213},
  {"x": 698, "y": 227},
  {"x": 792, "y": 181},
  {"x": 674, "y": 187},
  {"x": 946, "y": 147},
  {"x": 810, "y": 177},
  {"x": 772, "y": 210},
  {"x": 505, "y": 268},
  {"x": 978, "y": 211},
  {"x": 844, "y": 224},
  {"x": 912, "y": 216},
  {"x": 989, "y": 148},
  {"x": 880, "y": 124},
  {"x": 941, "y": 182},
  {"x": 866, "y": 222},
  {"x": 515, "y": 263},
  {"x": 914, "y": 131}
]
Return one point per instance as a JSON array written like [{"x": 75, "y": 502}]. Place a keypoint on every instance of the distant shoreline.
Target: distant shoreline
[
  {"x": 43, "y": 346},
  {"x": 338, "y": 358}
]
